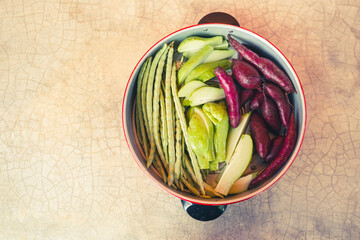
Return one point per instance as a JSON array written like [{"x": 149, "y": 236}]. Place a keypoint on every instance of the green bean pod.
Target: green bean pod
[
  {"x": 139, "y": 119},
  {"x": 156, "y": 105},
  {"x": 149, "y": 102}
]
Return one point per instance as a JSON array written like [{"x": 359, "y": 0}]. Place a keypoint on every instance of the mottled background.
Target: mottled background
[{"x": 65, "y": 170}]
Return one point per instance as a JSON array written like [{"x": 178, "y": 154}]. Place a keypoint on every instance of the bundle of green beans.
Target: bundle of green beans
[{"x": 161, "y": 125}]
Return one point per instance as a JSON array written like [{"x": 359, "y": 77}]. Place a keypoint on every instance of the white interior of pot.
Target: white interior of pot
[{"x": 256, "y": 43}]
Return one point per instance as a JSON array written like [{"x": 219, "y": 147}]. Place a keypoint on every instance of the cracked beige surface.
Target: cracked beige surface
[{"x": 66, "y": 171}]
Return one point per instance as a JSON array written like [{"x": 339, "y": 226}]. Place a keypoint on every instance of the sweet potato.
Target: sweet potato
[
  {"x": 268, "y": 68},
  {"x": 281, "y": 158},
  {"x": 281, "y": 101},
  {"x": 275, "y": 147},
  {"x": 246, "y": 75},
  {"x": 260, "y": 135},
  {"x": 270, "y": 114},
  {"x": 231, "y": 95},
  {"x": 245, "y": 95},
  {"x": 257, "y": 101}
]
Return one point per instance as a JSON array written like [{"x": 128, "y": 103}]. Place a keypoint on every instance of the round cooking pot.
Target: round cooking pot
[{"x": 200, "y": 208}]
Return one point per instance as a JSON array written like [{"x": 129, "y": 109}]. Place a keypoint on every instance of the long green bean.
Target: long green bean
[
  {"x": 169, "y": 116},
  {"x": 139, "y": 115},
  {"x": 143, "y": 97},
  {"x": 156, "y": 109},
  {"x": 178, "y": 149},
  {"x": 183, "y": 124},
  {"x": 149, "y": 102},
  {"x": 163, "y": 128}
]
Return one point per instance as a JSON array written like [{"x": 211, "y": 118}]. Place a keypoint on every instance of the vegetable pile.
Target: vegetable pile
[{"x": 199, "y": 118}]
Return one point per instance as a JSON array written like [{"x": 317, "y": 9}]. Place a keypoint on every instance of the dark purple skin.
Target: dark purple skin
[
  {"x": 260, "y": 135},
  {"x": 257, "y": 101},
  {"x": 246, "y": 75},
  {"x": 275, "y": 148},
  {"x": 268, "y": 68},
  {"x": 245, "y": 95},
  {"x": 270, "y": 114},
  {"x": 281, "y": 102},
  {"x": 281, "y": 157},
  {"x": 231, "y": 95}
]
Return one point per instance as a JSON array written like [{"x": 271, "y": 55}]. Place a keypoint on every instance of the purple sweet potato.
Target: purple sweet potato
[
  {"x": 281, "y": 157},
  {"x": 245, "y": 95},
  {"x": 275, "y": 147},
  {"x": 231, "y": 95},
  {"x": 259, "y": 134},
  {"x": 257, "y": 101},
  {"x": 270, "y": 114},
  {"x": 246, "y": 75},
  {"x": 281, "y": 102},
  {"x": 268, "y": 68}
]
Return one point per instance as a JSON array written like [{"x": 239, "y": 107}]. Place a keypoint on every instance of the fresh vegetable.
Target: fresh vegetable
[
  {"x": 156, "y": 106},
  {"x": 183, "y": 124},
  {"x": 281, "y": 102},
  {"x": 178, "y": 137},
  {"x": 140, "y": 128},
  {"x": 270, "y": 114},
  {"x": 231, "y": 95},
  {"x": 218, "y": 55},
  {"x": 238, "y": 164},
  {"x": 195, "y": 43},
  {"x": 245, "y": 95},
  {"x": 143, "y": 100},
  {"x": 246, "y": 75},
  {"x": 201, "y": 137},
  {"x": 189, "y": 88},
  {"x": 270, "y": 70},
  {"x": 169, "y": 108},
  {"x": 257, "y": 101},
  {"x": 194, "y": 61},
  {"x": 206, "y": 94},
  {"x": 275, "y": 147},
  {"x": 241, "y": 185},
  {"x": 260, "y": 134},
  {"x": 217, "y": 113},
  {"x": 223, "y": 46},
  {"x": 234, "y": 136},
  {"x": 163, "y": 126},
  {"x": 282, "y": 156},
  {"x": 207, "y": 68},
  {"x": 149, "y": 102}
]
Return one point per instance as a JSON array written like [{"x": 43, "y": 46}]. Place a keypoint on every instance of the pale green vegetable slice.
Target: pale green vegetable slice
[
  {"x": 207, "y": 68},
  {"x": 223, "y": 46},
  {"x": 238, "y": 164},
  {"x": 189, "y": 88},
  {"x": 195, "y": 43},
  {"x": 217, "y": 55},
  {"x": 235, "y": 134},
  {"x": 193, "y": 62},
  {"x": 206, "y": 94}
]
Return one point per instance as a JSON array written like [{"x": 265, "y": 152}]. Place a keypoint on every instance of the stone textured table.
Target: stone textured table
[{"x": 66, "y": 171}]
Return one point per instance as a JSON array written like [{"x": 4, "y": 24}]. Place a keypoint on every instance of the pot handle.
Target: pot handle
[
  {"x": 219, "y": 17},
  {"x": 203, "y": 212}
]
